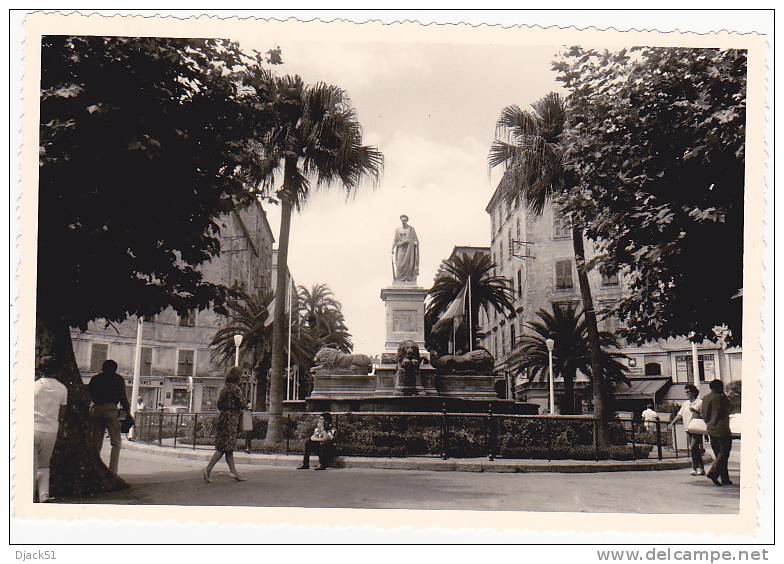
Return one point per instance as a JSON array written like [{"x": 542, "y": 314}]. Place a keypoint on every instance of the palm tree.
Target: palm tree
[
  {"x": 247, "y": 316},
  {"x": 532, "y": 155},
  {"x": 318, "y": 322},
  {"x": 315, "y": 136},
  {"x": 323, "y": 315},
  {"x": 571, "y": 351},
  {"x": 487, "y": 289}
]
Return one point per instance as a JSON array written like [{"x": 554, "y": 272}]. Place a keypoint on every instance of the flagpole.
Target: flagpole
[{"x": 470, "y": 319}]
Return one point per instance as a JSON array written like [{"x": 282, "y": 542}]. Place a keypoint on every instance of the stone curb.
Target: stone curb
[{"x": 430, "y": 464}]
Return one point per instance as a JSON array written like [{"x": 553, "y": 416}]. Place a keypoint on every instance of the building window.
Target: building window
[
  {"x": 512, "y": 336},
  {"x": 610, "y": 279},
  {"x": 146, "y": 367},
  {"x": 501, "y": 249},
  {"x": 188, "y": 319},
  {"x": 209, "y": 397},
  {"x": 652, "y": 369},
  {"x": 503, "y": 342},
  {"x": 518, "y": 228},
  {"x": 180, "y": 397},
  {"x": 99, "y": 352},
  {"x": 563, "y": 274},
  {"x": 511, "y": 246},
  {"x": 185, "y": 362},
  {"x": 492, "y": 225},
  {"x": 564, "y": 307},
  {"x": 685, "y": 370},
  {"x": 561, "y": 228},
  {"x": 519, "y": 282}
]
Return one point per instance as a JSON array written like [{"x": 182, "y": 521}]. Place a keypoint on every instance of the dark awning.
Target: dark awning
[{"x": 641, "y": 388}]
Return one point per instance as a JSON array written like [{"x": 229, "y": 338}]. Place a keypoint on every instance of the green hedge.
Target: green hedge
[{"x": 421, "y": 435}]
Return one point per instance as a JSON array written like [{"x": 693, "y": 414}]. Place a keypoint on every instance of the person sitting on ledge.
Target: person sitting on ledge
[{"x": 321, "y": 442}]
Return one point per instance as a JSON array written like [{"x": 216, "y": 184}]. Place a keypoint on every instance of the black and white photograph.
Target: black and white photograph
[{"x": 333, "y": 266}]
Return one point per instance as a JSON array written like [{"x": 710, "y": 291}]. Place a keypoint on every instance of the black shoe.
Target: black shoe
[
  {"x": 726, "y": 482},
  {"x": 303, "y": 467},
  {"x": 715, "y": 481}
]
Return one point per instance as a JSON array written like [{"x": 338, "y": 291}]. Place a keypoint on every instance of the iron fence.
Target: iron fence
[{"x": 432, "y": 434}]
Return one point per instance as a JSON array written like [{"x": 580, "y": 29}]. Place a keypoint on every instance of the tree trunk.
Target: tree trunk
[
  {"x": 277, "y": 378},
  {"x": 76, "y": 468},
  {"x": 567, "y": 406},
  {"x": 597, "y": 371},
  {"x": 261, "y": 384}
]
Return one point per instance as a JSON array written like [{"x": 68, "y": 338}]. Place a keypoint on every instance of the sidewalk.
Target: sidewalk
[
  {"x": 162, "y": 477},
  {"x": 428, "y": 463}
]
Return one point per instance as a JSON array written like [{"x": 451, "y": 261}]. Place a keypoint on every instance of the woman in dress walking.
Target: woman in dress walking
[{"x": 231, "y": 402}]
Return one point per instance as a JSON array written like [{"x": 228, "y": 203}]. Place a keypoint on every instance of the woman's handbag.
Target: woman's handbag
[
  {"x": 697, "y": 426},
  {"x": 246, "y": 420}
]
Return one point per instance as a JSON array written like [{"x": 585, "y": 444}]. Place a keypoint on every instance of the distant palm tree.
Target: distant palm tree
[
  {"x": 571, "y": 351},
  {"x": 315, "y": 136},
  {"x": 487, "y": 290},
  {"x": 318, "y": 322},
  {"x": 323, "y": 315},
  {"x": 247, "y": 316},
  {"x": 532, "y": 155}
]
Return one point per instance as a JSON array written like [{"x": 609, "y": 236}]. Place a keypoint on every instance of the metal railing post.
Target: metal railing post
[
  {"x": 176, "y": 429},
  {"x": 160, "y": 429},
  {"x": 549, "y": 439},
  {"x": 596, "y": 438},
  {"x": 389, "y": 435},
  {"x": 634, "y": 446},
  {"x": 195, "y": 421},
  {"x": 675, "y": 441},
  {"x": 443, "y": 432},
  {"x": 288, "y": 430},
  {"x": 490, "y": 442},
  {"x": 658, "y": 438}
]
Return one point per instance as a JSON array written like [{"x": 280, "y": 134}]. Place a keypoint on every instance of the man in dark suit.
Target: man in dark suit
[
  {"x": 716, "y": 413},
  {"x": 106, "y": 390}
]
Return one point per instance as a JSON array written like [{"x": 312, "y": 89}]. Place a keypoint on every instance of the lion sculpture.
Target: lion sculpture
[
  {"x": 328, "y": 358},
  {"x": 475, "y": 362},
  {"x": 408, "y": 363}
]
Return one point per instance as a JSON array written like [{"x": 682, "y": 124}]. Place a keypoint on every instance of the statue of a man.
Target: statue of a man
[{"x": 405, "y": 252}]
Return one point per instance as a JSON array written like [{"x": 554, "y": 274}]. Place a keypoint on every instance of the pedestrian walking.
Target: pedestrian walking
[
  {"x": 716, "y": 413},
  {"x": 49, "y": 398},
  {"x": 690, "y": 409},
  {"x": 106, "y": 390},
  {"x": 131, "y": 434},
  {"x": 231, "y": 402}
]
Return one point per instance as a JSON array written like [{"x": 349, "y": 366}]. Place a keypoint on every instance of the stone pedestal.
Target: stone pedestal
[{"x": 405, "y": 315}]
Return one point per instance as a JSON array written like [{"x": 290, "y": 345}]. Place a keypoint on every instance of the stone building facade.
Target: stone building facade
[
  {"x": 536, "y": 255},
  {"x": 177, "y": 372}
]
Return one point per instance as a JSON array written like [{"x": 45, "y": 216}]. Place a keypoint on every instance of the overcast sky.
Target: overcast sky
[{"x": 431, "y": 109}]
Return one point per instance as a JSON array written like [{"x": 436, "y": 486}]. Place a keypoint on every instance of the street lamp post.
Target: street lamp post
[
  {"x": 237, "y": 343},
  {"x": 550, "y": 344}
]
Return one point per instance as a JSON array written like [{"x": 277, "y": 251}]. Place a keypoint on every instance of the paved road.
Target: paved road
[{"x": 164, "y": 480}]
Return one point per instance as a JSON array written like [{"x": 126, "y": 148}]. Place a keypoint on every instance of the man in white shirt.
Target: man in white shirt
[
  {"x": 649, "y": 416},
  {"x": 49, "y": 398}
]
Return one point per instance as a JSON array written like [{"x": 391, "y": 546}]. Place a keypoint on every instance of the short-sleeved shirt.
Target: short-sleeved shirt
[
  {"x": 650, "y": 415},
  {"x": 686, "y": 413},
  {"x": 48, "y": 396}
]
